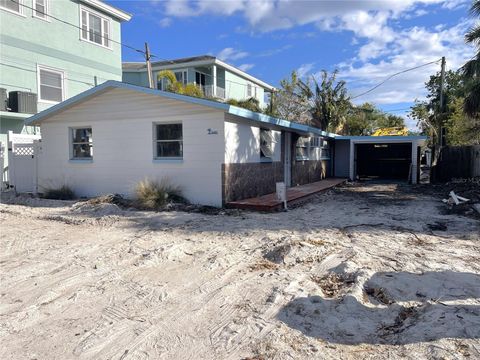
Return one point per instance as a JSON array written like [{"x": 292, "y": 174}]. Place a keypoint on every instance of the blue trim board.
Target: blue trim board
[
  {"x": 381, "y": 138},
  {"x": 230, "y": 109}
]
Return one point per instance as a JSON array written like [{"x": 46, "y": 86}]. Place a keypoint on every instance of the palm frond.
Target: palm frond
[
  {"x": 475, "y": 9},
  {"x": 473, "y": 35},
  {"x": 471, "y": 105}
]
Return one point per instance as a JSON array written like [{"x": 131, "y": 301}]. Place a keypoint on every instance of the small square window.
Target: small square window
[
  {"x": 168, "y": 141},
  {"x": 82, "y": 145}
]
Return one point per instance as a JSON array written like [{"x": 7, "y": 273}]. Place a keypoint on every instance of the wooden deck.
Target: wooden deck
[{"x": 270, "y": 202}]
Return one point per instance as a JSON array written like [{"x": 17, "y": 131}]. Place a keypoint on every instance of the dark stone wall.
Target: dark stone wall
[
  {"x": 243, "y": 181},
  {"x": 308, "y": 171}
]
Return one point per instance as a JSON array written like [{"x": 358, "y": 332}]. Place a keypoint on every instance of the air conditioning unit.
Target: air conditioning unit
[
  {"x": 22, "y": 102},
  {"x": 3, "y": 99}
]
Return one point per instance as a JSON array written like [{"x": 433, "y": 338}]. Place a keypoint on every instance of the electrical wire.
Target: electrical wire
[
  {"x": 393, "y": 75},
  {"x": 77, "y": 27}
]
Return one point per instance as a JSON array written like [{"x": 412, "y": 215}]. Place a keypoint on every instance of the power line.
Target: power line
[{"x": 391, "y": 76}]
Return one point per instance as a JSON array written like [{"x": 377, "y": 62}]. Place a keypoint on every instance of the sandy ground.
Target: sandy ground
[{"x": 373, "y": 272}]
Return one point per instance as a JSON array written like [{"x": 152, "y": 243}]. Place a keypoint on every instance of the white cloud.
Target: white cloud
[
  {"x": 305, "y": 69},
  {"x": 231, "y": 54},
  {"x": 165, "y": 22},
  {"x": 246, "y": 67},
  {"x": 410, "y": 48}
]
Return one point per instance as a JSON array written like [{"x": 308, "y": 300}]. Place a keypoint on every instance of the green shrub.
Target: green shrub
[
  {"x": 153, "y": 194},
  {"x": 62, "y": 193}
]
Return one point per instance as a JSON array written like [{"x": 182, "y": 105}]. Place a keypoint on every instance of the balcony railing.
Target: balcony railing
[{"x": 208, "y": 91}]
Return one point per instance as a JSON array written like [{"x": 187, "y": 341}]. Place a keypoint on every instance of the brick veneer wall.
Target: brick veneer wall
[
  {"x": 243, "y": 181},
  {"x": 308, "y": 171}
]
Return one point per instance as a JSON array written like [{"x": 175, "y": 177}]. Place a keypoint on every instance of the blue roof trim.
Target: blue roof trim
[
  {"x": 339, "y": 137},
  {"x": 233, "y": 110}
]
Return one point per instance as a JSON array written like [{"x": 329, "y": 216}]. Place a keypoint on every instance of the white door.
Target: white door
[{"x": 22, "y": 162}]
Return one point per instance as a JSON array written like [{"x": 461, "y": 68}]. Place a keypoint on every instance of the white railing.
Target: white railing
[{"x": 208, "y": 91}]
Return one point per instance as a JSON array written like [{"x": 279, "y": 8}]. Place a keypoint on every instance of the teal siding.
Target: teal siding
[{"x": 26, "y": 42}]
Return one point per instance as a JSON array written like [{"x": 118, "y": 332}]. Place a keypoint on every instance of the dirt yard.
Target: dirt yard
[{"x": 378, "y": 271}]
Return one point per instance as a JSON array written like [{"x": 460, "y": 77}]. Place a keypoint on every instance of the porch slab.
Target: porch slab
[{"x": 270, "y": 202}]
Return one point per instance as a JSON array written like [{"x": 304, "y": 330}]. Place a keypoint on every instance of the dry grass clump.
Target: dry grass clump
[
  {"x": 152, "y": 194},
  {"x": 62, "y": 193}
]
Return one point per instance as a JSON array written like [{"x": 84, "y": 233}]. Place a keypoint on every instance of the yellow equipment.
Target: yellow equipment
[{"x": 391, "y": 131}]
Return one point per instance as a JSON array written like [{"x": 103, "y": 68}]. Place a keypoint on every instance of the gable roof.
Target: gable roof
[{"x": 229, "y": 109}]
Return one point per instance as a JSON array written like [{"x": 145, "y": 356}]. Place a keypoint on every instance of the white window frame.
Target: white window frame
[
  {"x": 21, "y": 9},
  {"x": 184, "y": 76},
  {"x": 103, "y": 18},
  {"x": 306, "y": 145},
  {"x": 47, "y": 10},
  {"x": 155, "y": 141},
  {"x": 72, "y": 143},
  {"x": 249, "y": 90},
  {"x": 53, "y": 70}
]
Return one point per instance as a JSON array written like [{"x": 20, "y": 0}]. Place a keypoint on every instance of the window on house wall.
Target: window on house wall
[
  {"x": 51, "y": 85},
  {"x": 301, "y": 148},
  {"x": 95, "y": 28},
  {"x": 82, "y": 145},
  {"x": 181, "y": 76},
  {"x": 200, "y": 79},
  {"x": 249, "y": 90},
  {"x": 168, "y": 141},
  {"x": 13, "y": 6},
  {"x": 325, "y": 149},
  {"x": 266, "y": 144},
  {"x": 41, "y": 9}
]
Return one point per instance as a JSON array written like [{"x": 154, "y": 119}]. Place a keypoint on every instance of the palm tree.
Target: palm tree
[
  {"x": 173, "y": 85},
  {"x": 471, "y": 70},
  {"x": 329, "y": 101}
]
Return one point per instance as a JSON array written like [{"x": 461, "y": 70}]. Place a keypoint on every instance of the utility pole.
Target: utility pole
[
  {"x": 149, "y": 66},
  {"x": 441, "y": 107}
]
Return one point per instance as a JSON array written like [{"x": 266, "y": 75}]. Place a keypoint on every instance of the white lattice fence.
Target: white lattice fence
[{"x": 22, "y": 162}]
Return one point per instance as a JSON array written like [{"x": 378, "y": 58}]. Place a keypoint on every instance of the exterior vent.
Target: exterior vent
[
  {"x": 22, "y": 102},
  {"x": 3, "y": 99}
]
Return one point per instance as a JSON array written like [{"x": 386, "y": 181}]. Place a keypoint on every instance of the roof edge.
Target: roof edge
[
  {"x": 109, "y": 9},
  {"x": 227, "y": 108}
]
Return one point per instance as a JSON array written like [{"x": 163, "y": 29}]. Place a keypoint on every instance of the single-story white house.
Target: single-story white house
[{"x": 110, "y": 137}]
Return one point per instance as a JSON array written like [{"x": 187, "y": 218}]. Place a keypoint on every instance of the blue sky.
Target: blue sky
[{"x": 366, "y": 40}]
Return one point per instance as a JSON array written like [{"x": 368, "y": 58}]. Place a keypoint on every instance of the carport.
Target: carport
[{"x": 378, "y": 157}]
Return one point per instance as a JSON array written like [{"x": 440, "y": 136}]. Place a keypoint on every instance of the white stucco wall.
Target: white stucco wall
[
  {"x": 122, "y": 125},
  {"x": 242, "y": 142}
]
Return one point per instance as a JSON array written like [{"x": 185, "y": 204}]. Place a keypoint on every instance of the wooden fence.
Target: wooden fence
[{"x": 457, "y": 162}]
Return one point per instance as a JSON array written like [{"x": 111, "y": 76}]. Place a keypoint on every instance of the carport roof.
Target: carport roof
[{"x": 227, "y": 108}]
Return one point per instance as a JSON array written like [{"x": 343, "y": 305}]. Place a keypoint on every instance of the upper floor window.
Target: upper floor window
[
  {"x": 249, "y": 90},
  {"x": 40, "y": 9},
  {"x": 13, "y": 6},
  {"x": 95, "y": 28},
  {"x": 181, "y": 76},
  {"x": 50, "y": 84}
]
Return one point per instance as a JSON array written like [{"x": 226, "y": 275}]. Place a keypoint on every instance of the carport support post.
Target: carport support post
[{"x": 414, "y": 162}]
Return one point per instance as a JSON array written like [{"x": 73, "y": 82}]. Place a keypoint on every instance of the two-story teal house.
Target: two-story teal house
[
  {"x": 51, "y": 50},
  {"x": 216, "y": 78}
]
